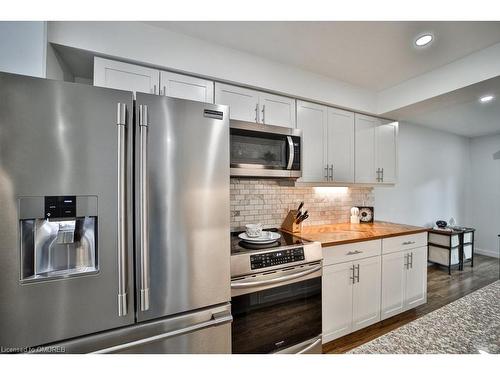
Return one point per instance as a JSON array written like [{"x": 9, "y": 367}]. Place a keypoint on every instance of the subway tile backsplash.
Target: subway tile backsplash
[{"x": 265, "y": 201}]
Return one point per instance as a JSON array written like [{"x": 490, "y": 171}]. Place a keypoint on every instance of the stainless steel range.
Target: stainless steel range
[{"x": 276, "y": 295}]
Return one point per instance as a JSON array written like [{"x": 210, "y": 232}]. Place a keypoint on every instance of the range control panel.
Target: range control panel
[{"x": 276, "y": 258}]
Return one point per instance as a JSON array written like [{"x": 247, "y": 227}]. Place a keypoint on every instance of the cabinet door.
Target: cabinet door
[
  {"x": 277, "y": 110},
  {"x": 337, "y": 300},
  {"x": 366, "y": 293},
  {"x": 416, "y": 278},
  {"x": 365, "y": 149},
  {"x": 340, "y": 144},
  {"x": 186, "y": 87},
  {"x": 312, "y": 119},
  {"x": 243, "y": 103},
  {"x": 393, "y": 284},
  {"x": 123, "y": 76},
  {"x": 386, "y": 151}
]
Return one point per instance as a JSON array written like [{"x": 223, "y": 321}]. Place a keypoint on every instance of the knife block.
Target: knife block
[{"x": 289, "y": 222}]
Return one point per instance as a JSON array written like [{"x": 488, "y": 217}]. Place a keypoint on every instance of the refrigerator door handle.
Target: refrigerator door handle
[
  {"x": 143, "y": 207},
  {"x": 122, "y": 204},
  {"x": 215, "y": 320}
]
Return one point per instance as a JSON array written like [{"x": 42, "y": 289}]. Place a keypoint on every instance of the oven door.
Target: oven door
[
  {"x": 264, "y": 151},
  {"x": 279, "y": 314}
]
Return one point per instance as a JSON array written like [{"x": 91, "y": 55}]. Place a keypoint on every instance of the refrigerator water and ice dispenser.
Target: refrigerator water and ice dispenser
[{"x": 58, "y": 237}]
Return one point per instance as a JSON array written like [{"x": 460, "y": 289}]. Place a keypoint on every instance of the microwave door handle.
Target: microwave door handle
[
  {"x": 295, "y": 275},
  {"x": 143, "y": 207},
  {"x": 291, "y": 152}
]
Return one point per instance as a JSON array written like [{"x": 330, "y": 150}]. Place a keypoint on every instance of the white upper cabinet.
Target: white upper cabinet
[
  {"x": 376, "y": 150},
  {"x": 340, "y": 142},
  {"x": 123, "y": 76},
  {"x": 365, "y": 148},
  {"x": 256, "y": 106},
  {"x": 386, "y": 136},
  {"x": 277, "y": 110},
  {"x": 312, "y": 119},
  {"x": 243, "y": 103},
  {"x": 186, "y": 87}
]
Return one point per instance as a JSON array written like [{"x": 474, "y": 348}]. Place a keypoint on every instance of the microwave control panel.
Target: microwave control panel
[{"x": 276, "y": 258}]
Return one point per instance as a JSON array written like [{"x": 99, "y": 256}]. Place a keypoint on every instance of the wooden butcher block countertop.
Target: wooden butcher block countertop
[{"x": 338, "y": 234}]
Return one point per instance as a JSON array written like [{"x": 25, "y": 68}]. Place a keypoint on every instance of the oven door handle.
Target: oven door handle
[
  {"x": 309, "y": 347},
  {"x": 295, "y": 275},
  {"x": 291, "y": 153}
]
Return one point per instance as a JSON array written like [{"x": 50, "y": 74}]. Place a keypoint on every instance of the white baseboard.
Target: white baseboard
[{"x": 490, "y": 253}]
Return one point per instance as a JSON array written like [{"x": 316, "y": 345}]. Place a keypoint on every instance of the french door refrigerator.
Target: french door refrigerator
[{"x": 114, "y": 221}]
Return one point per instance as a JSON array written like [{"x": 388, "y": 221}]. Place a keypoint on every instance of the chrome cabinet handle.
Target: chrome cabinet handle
[
  {"x": 331, "y": 170},
  {"x": 154, "y": 90},
  {"x": 326, "y": 173},
  {"x": 164, "y": 91},
  {"x": 354, "y": 252},
  {"x": 353, "y": 277},
  {"x": 295, "y": 275},
  {"x": 122, "y": 209},
  {"x": 357, "y": 276},
  {"x": 382, "y": 171},
  {"x": 407, "y": 261},
  {"x": 408, "y": 243},
  {"x": 257, "y": 112},
  {"x": 263, "y": 113},
  {"x": 143, "y": 208},
  {"x": 215, "y": 320},
  {"x": 410, "y": 260},
  {"x": 308, "y": 347},
  {"x": 378, "y": 175},
  {"x": 291, "y": 154}
]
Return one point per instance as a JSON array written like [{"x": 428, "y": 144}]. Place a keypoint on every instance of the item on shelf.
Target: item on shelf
[
  {"x": 441, "y": 224},
  {"x": 354, "y": 215},
  {"x": 366, "y": 214}
]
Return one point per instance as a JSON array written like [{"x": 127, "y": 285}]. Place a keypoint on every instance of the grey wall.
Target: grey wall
[
  {"x": 434, "y": 167},
  {"x": 23, "y": 47},
  {"x": 484, "y": 196}
]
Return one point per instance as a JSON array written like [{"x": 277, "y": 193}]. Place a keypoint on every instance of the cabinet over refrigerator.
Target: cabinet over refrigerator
[{"x": 114, "y": 225}]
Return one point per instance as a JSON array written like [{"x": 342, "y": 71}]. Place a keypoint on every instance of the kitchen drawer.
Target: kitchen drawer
[
  {"x": 352, "y": 251},
  {"x": 401, "y": 243}
]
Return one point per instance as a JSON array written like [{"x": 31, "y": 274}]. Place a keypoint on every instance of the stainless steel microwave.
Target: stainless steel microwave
[{"x": 265, "y": 151}]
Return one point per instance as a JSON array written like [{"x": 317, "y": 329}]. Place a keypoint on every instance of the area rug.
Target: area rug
[{"x": 470, "y": 324}]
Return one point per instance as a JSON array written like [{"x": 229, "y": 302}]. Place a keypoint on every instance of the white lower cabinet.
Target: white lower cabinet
[
  {"x": 351, "y": 296},
  {"x": 365, "y": 282},
  {"x": 404, "y": 281},
  {"x": 337, "y": 300},
  {"x": 366, "y": 293}
]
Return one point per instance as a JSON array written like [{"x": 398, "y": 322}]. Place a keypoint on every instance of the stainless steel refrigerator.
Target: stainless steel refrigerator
[{"x": 114, "y": 221}]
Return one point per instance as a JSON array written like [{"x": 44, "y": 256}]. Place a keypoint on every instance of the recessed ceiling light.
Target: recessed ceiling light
[
  {"x": 486, "y": 98},
  {"x": 423, "y": 40}
]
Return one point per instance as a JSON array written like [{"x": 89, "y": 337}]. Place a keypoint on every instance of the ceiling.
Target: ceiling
[
  {"x": 373, "y": 55},
  {"x": 459, "y": 111}
]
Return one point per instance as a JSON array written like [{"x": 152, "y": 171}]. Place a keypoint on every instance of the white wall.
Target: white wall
[
  {"x": 145, "y": 44},
  {"x": 23, "y": 47},
  {"x": 484, "y": 197},
  {"x": 433, "y": 170}
]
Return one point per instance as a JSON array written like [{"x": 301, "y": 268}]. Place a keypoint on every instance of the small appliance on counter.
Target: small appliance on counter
[
  {"x": 294, "y": 219},
  {"x": 366, "y": 214},
  {"x": 354, "y": 215},
  {"x": 270, "y": 284}
]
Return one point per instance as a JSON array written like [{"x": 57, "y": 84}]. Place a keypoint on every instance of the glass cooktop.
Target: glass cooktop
[{"x": 286, "y": 239}]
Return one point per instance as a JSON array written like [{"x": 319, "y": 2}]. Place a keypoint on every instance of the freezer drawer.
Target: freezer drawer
[{"x": 202, "y": 332}]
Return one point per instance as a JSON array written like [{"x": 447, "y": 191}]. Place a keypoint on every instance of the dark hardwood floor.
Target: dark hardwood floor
[{"x": 441, "y": 290}]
